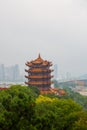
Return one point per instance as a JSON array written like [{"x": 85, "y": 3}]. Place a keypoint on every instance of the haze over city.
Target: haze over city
[{"x": 56, "y": 29}]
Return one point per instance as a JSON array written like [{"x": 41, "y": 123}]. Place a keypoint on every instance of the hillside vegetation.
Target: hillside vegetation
[{"x": 22, "y": 108}]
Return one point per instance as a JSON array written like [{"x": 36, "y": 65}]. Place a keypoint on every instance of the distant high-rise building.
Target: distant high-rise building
[
  {"x": 68, "y": 76},
  {"x": 10, "y": 73},
  {"x": 2, "y": 72},
  {"x": 55, "y": 71},
  {"x": 16, "y": 73}
]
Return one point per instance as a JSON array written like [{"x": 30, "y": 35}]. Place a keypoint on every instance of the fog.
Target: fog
[{"x": 56, "y": 29}]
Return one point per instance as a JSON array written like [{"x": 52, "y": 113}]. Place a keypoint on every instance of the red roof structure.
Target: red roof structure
[{"x": 39, "y": 73}]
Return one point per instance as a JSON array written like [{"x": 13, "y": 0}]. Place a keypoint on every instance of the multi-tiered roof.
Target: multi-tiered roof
[{"x": 39, "y": 73}]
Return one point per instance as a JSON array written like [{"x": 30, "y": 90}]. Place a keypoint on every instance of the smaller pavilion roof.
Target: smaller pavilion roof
[{"x": 39, "y": 60}]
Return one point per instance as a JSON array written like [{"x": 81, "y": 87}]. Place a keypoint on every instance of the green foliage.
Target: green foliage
[
  {"x": 81, "y": 124},
  {"x": 35, "y": 89},
  {"x": 55, "y": 114},
  {"x": 22, "y": 109},
  {"x": 56, "y": 85},
  {"x": 82, "y": 100},
  {"x": 17, "y": 108}
]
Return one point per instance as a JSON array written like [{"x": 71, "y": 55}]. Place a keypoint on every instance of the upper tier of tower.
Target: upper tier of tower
[{"x": 39, "y": 62}]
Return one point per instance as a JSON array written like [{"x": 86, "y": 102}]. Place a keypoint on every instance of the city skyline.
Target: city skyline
[
  {"x": 55, "y": 29},
  {"x": 11, "y": 73}
]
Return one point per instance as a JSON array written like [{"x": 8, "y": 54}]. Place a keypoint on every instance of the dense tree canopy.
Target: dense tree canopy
[
  {"x": 56, "y": 114},
  {"x": 16, "y": 106},
  {"x": 22, "y": 108}
]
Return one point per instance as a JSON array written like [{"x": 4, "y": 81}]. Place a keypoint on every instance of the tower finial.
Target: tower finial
[{"x": 39, "y": 56}]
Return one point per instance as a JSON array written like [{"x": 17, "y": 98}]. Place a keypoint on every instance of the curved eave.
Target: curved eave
[
  {"x": 38, "y": 62},
  {"x": 39, "y": 83},
  {"x": 38, "y": 77},
  {"x": 29, "y": 64},
  {"x": 41, "y": 65},
  {"x": 38, "y": 71}
]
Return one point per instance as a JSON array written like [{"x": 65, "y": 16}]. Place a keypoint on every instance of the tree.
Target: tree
[
  {"x": 17, "y": 106},
  {"x": 55, "y": 114},
  {"x": 81, "y": 123}
]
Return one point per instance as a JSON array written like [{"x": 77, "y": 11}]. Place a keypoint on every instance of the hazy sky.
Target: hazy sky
[{"x": 55, "y": 28}]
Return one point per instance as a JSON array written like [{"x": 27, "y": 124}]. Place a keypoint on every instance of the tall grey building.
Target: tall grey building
[
  {"x": 56, "y": 71},
  {"x": 2, "y": 72},
  {"x": 10, "y": 73},
  {"x": 16, "y": 73}
]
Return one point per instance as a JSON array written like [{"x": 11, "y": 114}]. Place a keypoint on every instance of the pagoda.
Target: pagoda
[{"x": 39, "y": 73}]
